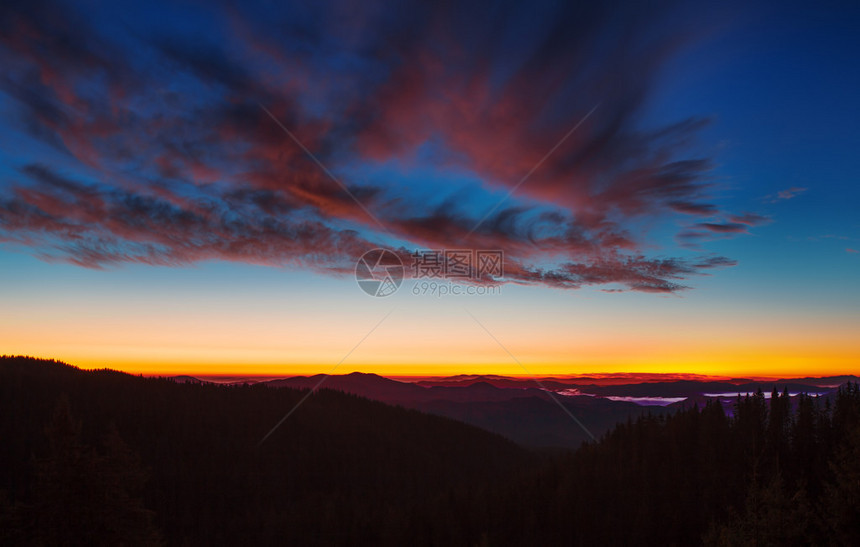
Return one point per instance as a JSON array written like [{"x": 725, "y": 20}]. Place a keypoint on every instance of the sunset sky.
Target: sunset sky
[{"x": 674, "y": 188}]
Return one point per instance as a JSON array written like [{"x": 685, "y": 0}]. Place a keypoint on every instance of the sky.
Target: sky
[{"x": 186, "y": 188}]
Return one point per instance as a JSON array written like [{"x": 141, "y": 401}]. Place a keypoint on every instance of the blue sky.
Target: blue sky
[{"x": 714, "y": 185}]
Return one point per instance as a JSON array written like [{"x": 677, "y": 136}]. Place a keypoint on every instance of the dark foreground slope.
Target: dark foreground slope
[
  {"x": 140, "y": 457},
  {"x": 181, "y": 464},
  {"x": 773, "y": 473}
]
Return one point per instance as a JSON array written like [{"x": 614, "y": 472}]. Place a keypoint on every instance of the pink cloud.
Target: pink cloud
[
  {"x": 166, "y": 177},
  {"x": 789, "y": 193}
]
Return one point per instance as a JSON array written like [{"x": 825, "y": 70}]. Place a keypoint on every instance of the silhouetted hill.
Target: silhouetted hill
[
  {"x": 390, "y": 391},
  {"x": 777, "y": 472},
  {"x": 341, "y": 469},
  {"x": 104, "y": 458},
  {"x": 188, "y": 379},
  {"x": 523, "y": 413},
  {"x": 826, "y": 381},
  {"x": 539, "y": 422},
  {"x": 371, "y": 386}
]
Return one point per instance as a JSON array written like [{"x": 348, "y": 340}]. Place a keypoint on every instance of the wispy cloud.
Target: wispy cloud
[
  {"x": 158, "y": 150},
  {"x": 723, "y": 227},
  {"x": 750, "y": 219},
  {"x": 789, "y": 193},
  {"x": 692, "y": 236}
]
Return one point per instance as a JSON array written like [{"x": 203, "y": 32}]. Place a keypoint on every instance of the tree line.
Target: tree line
[{"x": 105, "y": 458}]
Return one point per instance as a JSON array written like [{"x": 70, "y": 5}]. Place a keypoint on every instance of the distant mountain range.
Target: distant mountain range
[{"x": 527, "y": 410}]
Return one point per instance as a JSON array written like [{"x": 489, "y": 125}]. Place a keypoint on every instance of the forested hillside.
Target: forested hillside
[
  {"x": 766, "y": 476},
  {"x": 183, "y": 461},
  {"x": 107, "y": 458}
]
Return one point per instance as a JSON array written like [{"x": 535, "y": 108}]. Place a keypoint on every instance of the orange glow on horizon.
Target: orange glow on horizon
[
  {"x": 169, "y": 338},
  {"x": 750, "y": 366}
]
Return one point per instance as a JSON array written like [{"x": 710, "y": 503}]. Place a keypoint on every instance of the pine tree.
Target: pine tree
[
  {"x": 85, "y": 497},
  {"x": 842, "y": 498}
]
